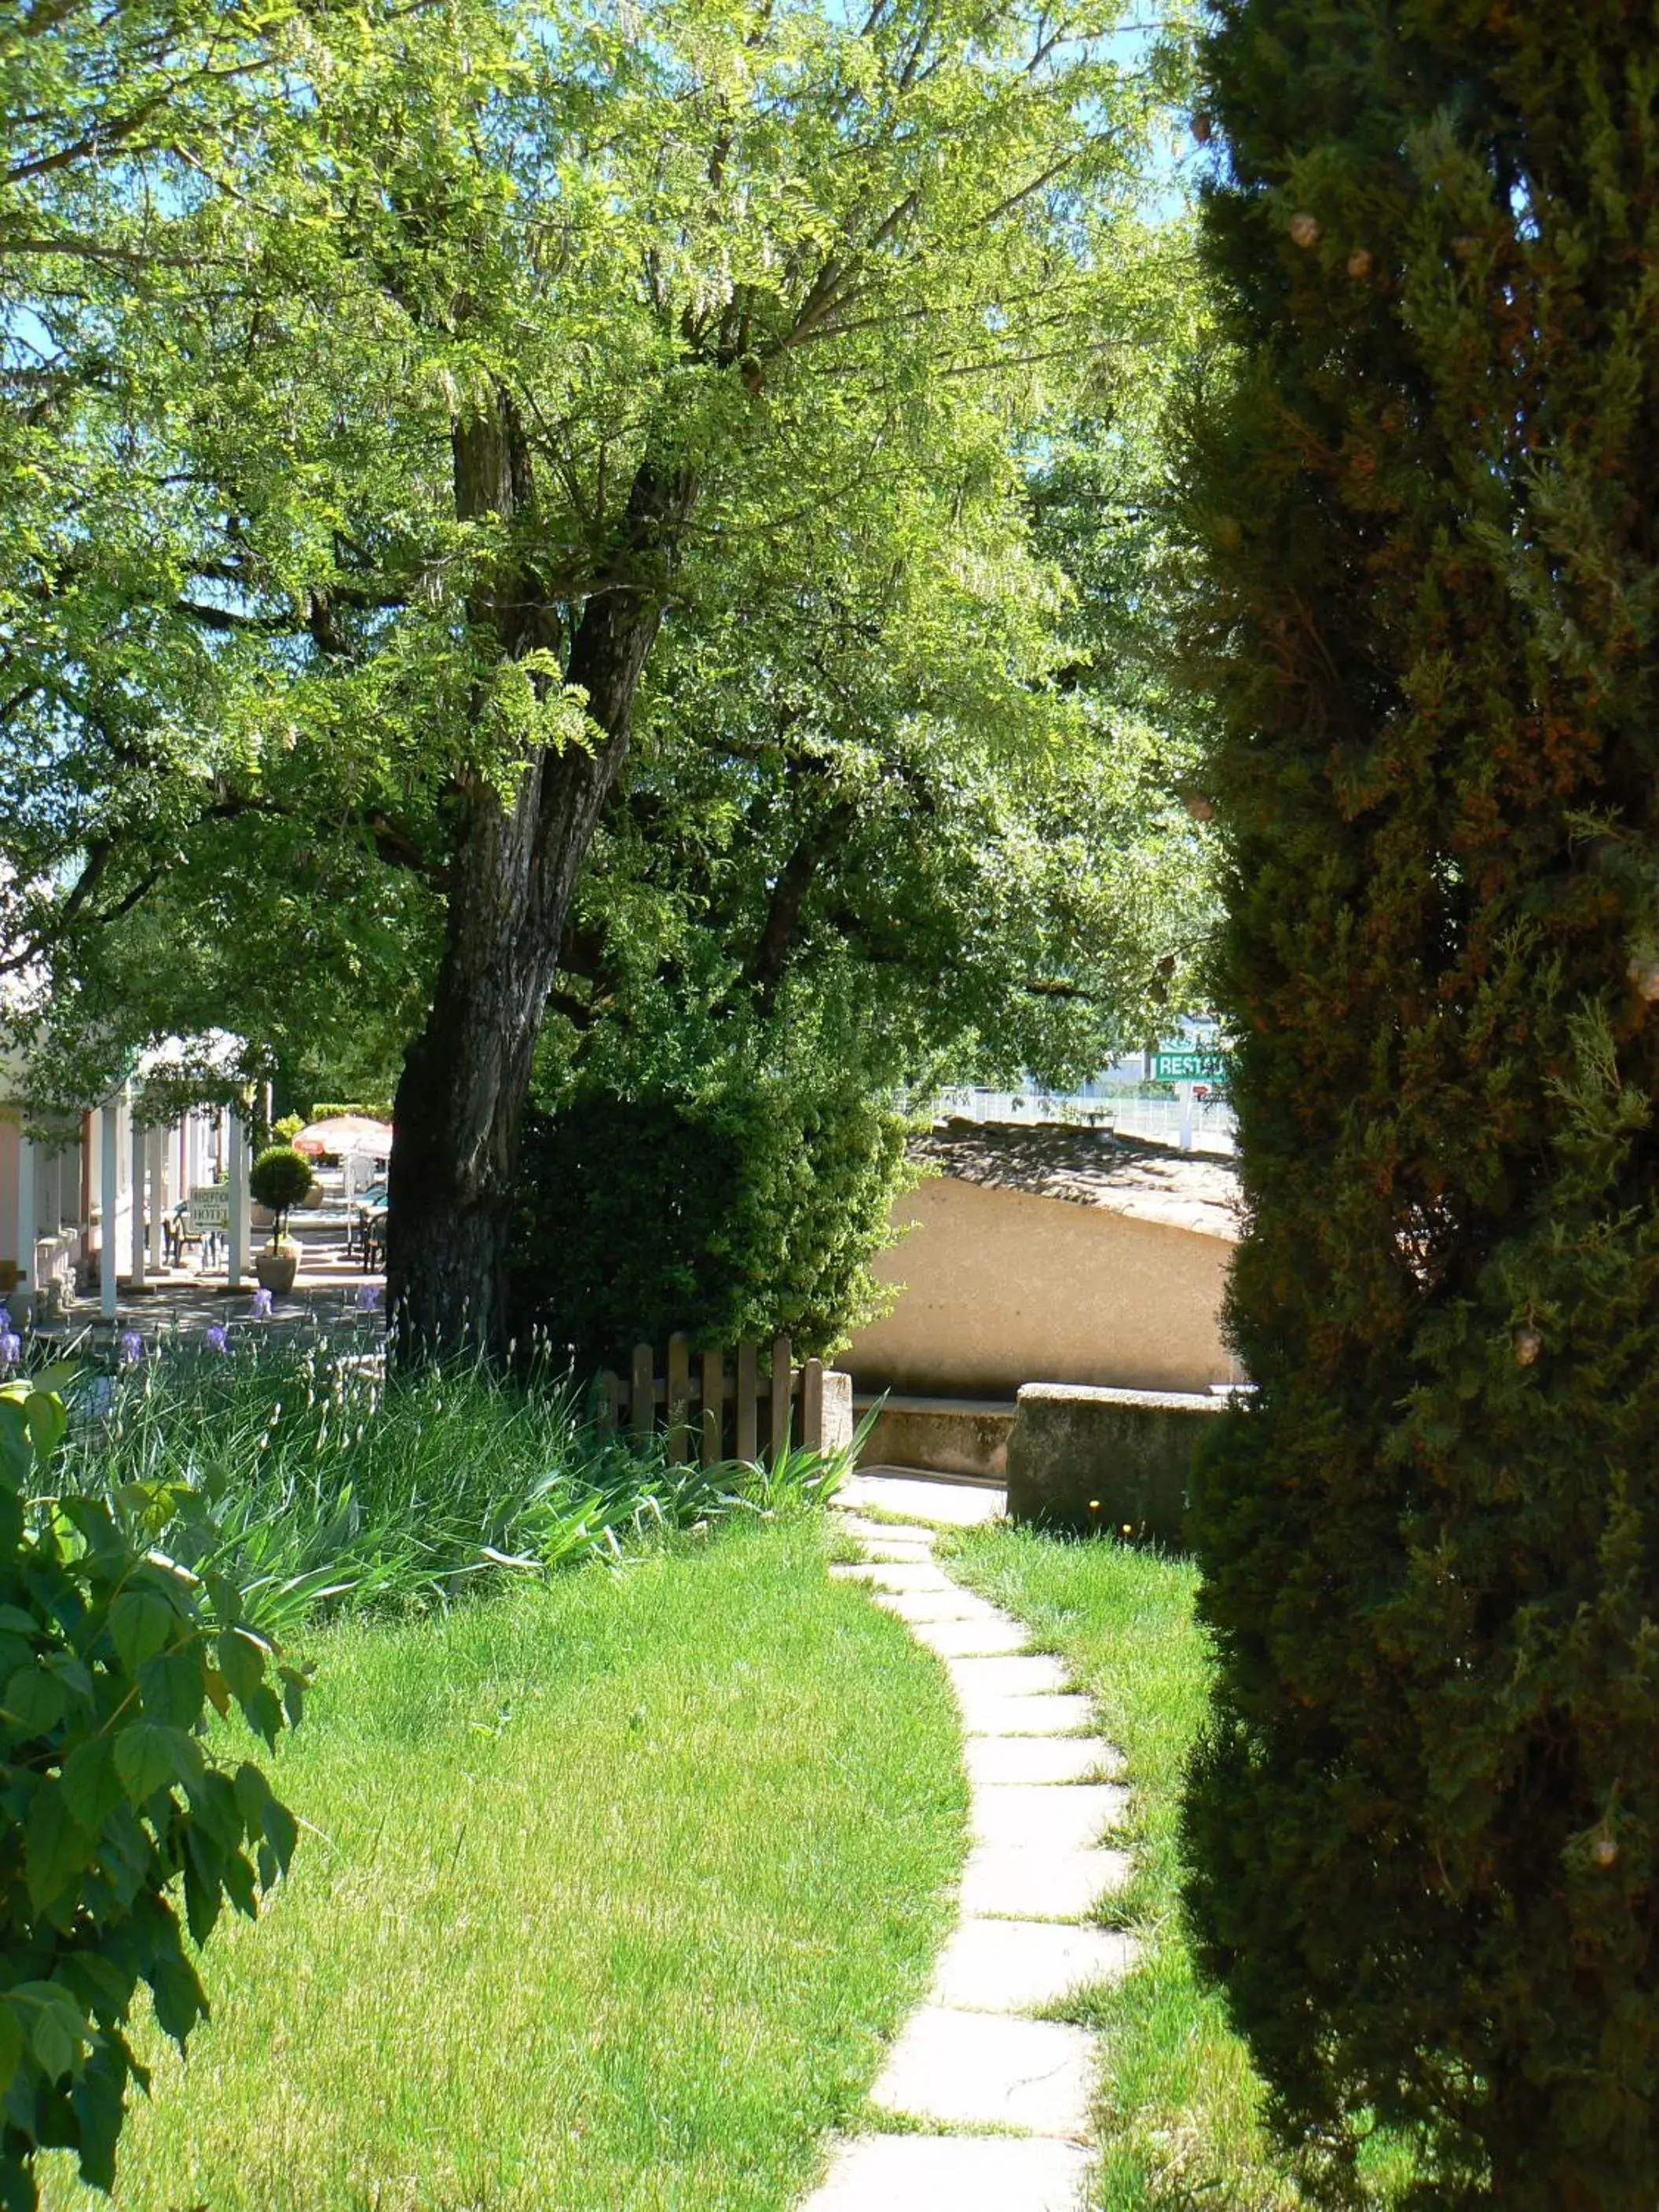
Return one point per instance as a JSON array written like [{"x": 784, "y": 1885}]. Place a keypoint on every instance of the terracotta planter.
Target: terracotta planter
[{"x": 276, "y": 1269}]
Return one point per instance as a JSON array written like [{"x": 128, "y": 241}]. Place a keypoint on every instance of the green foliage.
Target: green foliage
[
  {"x": 752, "y": 1205},
  {"x": 279, "y": 1179},
  {"x": 919, "y": 802},
  {"x": 287, "y": 1127},
  {"x": 317, "y": 1486},
  {"x": 1424, "y": 1821},
  {"x": 110, "y": 1651},
  {"x": 316, "y": 557},
  {"x": 377, "y": 1109}
]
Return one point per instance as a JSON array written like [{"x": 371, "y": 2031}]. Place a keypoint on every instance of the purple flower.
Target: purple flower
[
  {"x": 11, "y": 1346},
  {"x": 132, "y": 1348},
  {"x": 216, "y": 1337},
  {"x": 368, "y": 1297},
  {"x": 262, "y": 1303}
]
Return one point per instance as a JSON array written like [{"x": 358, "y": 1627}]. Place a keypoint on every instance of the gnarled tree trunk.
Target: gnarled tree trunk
[{"x": 513, "y": 870}]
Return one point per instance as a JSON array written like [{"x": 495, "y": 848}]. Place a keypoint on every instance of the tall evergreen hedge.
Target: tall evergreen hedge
[{"x": 1423, "y": 1826}]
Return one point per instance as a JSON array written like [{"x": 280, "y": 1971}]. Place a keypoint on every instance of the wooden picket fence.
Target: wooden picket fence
[{"x": 695, "y": 1398}]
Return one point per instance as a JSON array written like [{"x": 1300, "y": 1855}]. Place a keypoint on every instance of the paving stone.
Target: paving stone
[
  {"x": 980, "y": 1636},
  {"x": 1026, "y": 1884},
  {"x": 954, "y": 1505},
  {"x": 1042, "y": 1758},
  {"x": 953, "y": 2173},
  {"x": 1031, "y": 1675},
  {"x": 895, "y": 1575},
  {"x": 1018, "y": 1965},
  {"x": 950, "y": 1604},
  {"x": 999, "y": 1716},
  {"x": 894, "y": 1550},
  {"x": 974, "y": 2069},
  {"x": 1026, "y": 1815},
  {"x": 888, "y": 1532}
]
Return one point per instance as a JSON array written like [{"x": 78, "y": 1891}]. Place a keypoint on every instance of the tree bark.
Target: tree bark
[{"x": 514, "y": 866}]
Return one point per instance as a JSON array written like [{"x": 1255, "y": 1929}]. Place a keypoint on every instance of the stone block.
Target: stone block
[
  {"x": 1023, "y": 1884},
  {"x": 838, "y": 1423},
  {"x": 1048, "y": 1759},
  {"x": 974, "y": 2069},
  {"x": 1104, "y": 1461},
  {"x": 995, "y": 1715},
  {"x": 948, "y": 1436},
  {"x": 976, "y": 1638},
  {"x": 935, "y": 1605},
  {"x": 953, "y": 2173},
  {"x": 1020, "y": 1674},
  {"x": 1024, "y": 1966},
  {"x": 1015, "y": 1814}
]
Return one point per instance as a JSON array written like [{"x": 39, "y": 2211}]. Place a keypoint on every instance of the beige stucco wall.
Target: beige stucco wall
[{"x": 1001, "y": 1288}]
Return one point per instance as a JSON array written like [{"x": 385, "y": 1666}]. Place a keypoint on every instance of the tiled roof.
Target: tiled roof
[{"x": 1090, "y": 1167}]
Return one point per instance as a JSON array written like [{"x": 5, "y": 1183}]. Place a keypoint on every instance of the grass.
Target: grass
[
  {"x": 300, "y": 1470},
  {"x": 1178, "y": 2116},
  {"x": 611, "y": 1890}
]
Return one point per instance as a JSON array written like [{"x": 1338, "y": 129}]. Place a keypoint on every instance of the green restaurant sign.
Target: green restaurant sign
[{"x": 1190, "y": 1067}]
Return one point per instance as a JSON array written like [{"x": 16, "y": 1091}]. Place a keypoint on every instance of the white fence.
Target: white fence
[{"x": 1155, "y": 1119}]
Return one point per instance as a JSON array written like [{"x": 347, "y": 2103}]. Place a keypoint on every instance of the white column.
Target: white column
[
  {"x": 1185, "y": 1089},
  {"x": 110, "y": 1178},
  {"x": 157, "y": 1148},
  {"x": 240, "y": 1259},
  {"x": 137, "y": 1187},
  {"x": 23, "y": 1297}
]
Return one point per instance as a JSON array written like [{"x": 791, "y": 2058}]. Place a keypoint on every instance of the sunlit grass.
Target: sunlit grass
[{"x": 612, "y": 1887}]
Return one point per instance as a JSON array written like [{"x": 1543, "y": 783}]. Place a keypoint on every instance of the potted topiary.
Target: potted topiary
[{"x": 279, "y": 1180}]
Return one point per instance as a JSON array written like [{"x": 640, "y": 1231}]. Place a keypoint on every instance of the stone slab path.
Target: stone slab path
[{"x": 989, "y": 2103}]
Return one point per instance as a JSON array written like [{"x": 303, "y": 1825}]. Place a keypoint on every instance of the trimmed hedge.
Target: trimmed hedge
[
  {"x": 1423, "y": 1826},
  {"x": 735, "y": 1215}
]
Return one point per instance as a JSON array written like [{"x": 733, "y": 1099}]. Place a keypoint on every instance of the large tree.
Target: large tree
[
  {"x": 542, "y": 313},
  {"x": 1422, "y": 1823}
]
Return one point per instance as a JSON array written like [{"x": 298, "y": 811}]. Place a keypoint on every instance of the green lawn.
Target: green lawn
[{"x": 616, "y": 1883}]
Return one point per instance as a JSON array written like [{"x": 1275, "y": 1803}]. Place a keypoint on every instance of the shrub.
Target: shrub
[
  {"x": 754, "y": 1210},
  {"x": 1423, "y": 1825},
  {"x": 279, "y": 1179},
  {"x": 377, "y": 1109},
  {"x": 287, "y": 1128},
  {"x": 110, "y": 1654}
]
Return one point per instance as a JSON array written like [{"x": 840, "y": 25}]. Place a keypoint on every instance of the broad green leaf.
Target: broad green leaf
[
  {"x": 47, "y": 1422},
  {"x": 91, "y": 1785},
  {"x": 281, "y": 1832},
  {"x": 179, "y": 2002},
  {"x": 146, "y": 1759},
  {"x": 140, "y": 1621},
  {"x": 242, "y": 1662},
  {"x": 56, "y": 1847},
  {"x": 11, "y": 2045},
  {"x": 35, "y": 1700},
  {"x": 55, "y": 2025},
  {"x": 171, "y": 1686}
]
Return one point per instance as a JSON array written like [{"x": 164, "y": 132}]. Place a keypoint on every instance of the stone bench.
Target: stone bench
[
  {"x": 1083, "y": 1458},
  {"x": 966, "y": 1436}
]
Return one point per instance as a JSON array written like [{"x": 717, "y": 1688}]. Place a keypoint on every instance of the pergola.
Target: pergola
[{"x": 103, "y": 1176}]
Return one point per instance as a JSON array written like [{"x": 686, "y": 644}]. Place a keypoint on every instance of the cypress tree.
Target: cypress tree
[{"x": 1422, "y": 1827}]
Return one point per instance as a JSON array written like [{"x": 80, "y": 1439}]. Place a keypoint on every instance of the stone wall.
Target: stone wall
[
  {"x": 1119, "y": 1462},
  {"x": 1003, "y": 1287}
]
